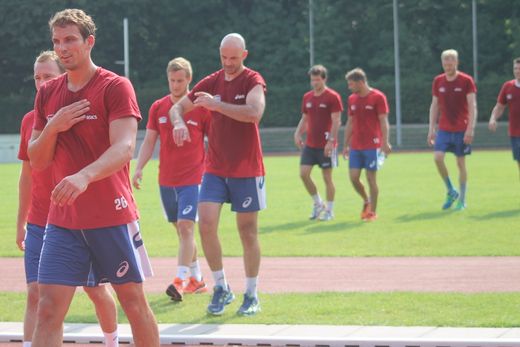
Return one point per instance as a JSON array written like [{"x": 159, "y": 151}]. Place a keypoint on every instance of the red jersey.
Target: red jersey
[
  {"x": 510, "y": 96},
  {"x": 107, "y": 202},
  {"x": 184, "y": 165},
  {"x": 41, "y": 180},
  {"x": 318, "y": 110},
  {"x": 453, "y": 104},
  {"x": 234, "y": 148},
  {"x": 365, "y": 112}
]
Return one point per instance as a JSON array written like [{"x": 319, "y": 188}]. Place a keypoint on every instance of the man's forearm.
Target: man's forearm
[{"x": 242, "y": 113}]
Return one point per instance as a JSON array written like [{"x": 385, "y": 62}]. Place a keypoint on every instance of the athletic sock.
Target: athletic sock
[
  {"x": 195, "y": 270},
  {"x": 317, "y": 199},
  {"x": 462, "y": 197},
  {"x": 27, "y": 344},
  {"x": 220, "y": 278},
  {"x": 251, "y": 286},
  {"x": 111, "y": 339},
  {"x": 182, "y": 272},
  {"x": 330, "y": 205},
  {"x": 447, "y": 181}
]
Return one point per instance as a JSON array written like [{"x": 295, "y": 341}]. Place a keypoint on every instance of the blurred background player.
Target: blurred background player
[
  {"x": 366, "y": 135},
  {"x": 321, "y": 119},
  {"x": 235, "y": 95},
  {"x": 454, "y": 108},
  {"x": 180, "y": 173},
  {"x": 35, "y": 189},
  {"x": 510, "y": 96},
  {"x": 85, "y": 127}
]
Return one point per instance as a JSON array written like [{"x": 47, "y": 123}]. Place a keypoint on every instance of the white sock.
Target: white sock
[
  {"x": 220, "y": 278},
  {"x": 195, "y": 270},
  {"x": 182, "y": 272},
  {"x": 330, "y": 205},
  {"x": 251, "y": 286},
  {"x": 111, "y": 339},
  {"x": 27, "y": 344},
  {"x": 317, "y": 199}
]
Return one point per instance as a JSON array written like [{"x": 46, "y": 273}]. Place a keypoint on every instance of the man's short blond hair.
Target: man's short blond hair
[
  {"x": 450, "y": 53},
  {"x": 179, "y": 64},
  {"x": 46, "y": 56},
  {"x": 73, "y": 16},
  {"x": 356, "y": 75}
]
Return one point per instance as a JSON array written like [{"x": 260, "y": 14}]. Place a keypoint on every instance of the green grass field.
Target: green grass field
[{"x": 410, "y": 223}]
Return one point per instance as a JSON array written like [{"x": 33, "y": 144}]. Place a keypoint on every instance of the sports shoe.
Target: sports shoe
[
  {"x": 195, "y": 287},
  {"x": 367, "y": 207},
  {"x": 326, "y": 216},
  {"x": 450, "y": 199},
  {"x": 220, "y": 299},
  {"x": 370, "y": 217},
  {"x": 176, "y": 289},
  {"x": 250, "y": 306},
  {"x": 317, "y": 209},
  {"x": 461, "y": 206}
]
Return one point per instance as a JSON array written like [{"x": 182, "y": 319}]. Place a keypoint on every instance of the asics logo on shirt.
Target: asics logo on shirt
[
  {"x": 123, "y": 269},
  {"x": 90, "y": 117},
  {"x": 323, "y": 106},
  {"x": 369, "y": 107},
  {"x": 240, "y": 96},
  {"x": 192, "y": 122},
  {"x": 163, "y": 120},
  {"x": 247, "y": 202},
  {"x": 187, "y": 210},
  {"x": 458, "y": 89}
]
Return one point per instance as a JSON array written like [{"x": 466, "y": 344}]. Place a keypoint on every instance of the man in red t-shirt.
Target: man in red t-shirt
[
  {"x": 180, "y": 173},
  {"x": 235, "y": 95},
  {"x": 366, "y": 138},
  {"x": 454, "y": 106},
  {"x": 510, "y": 96},
  {"x": 85, "y": 127},
  {"x": 34, "y": 199},
  {"x": 321, "y": 119}
]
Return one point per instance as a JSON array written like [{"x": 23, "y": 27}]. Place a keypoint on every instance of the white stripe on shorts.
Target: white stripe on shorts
[
  {"x": 260, "y": 192},
  {"x": 141, "y": 256}
]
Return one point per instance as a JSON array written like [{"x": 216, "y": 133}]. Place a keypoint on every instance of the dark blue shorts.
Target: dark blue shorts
[
  {"x": 180, "y": 202},
  {"x": 515, "y": 146},
  {"x": 89, "y": 257},
  {"x": 453, "y": 142},
  {"x": 244, "y": 194},
  {"x": 316, "y": 156},
  {"x": 363, "y": 159},
  {"x": 33, "y": 248}
]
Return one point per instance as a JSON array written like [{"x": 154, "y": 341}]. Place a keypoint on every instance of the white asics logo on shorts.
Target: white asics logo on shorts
[
  {"x": 123, "y": 269},
  {"x": 187, "y": 210},
  {"x": 247, "y": 202},
  {"x": 372, "y": 164}
]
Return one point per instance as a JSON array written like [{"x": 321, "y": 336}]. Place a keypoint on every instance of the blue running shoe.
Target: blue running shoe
[
  {"x": 461, "y": 206},
  {"x": 220, "y": 299},
  {"x": 250, "y": 306},
  {"x": 450, "y": 199}
]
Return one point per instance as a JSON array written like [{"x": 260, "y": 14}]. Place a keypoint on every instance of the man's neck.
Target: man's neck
[
  {"x": 78, "y": 78},
  {"x": 235, "y": 75},
  {"x": 174, "y": 99},
  {"x": 364, "y": 91},
  {"x": 318, "y": 92},
  {"x": 453, "y": 76}
]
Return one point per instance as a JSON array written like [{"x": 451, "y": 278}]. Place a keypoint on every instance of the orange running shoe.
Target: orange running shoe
[
  {"x": 195, "y": 287},
  {"x": 176, "y": 289},
  {"x": 370, "y": 217},
  {"x": 367, "y": 208}
]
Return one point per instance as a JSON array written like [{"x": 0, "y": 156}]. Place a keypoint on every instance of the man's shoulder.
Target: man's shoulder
[
  {"x": 378, "y": 93},
  {"x": 28, "y": 119},
  {"x": 439, "y": 77},
  {"x": 465, "y": 76}
]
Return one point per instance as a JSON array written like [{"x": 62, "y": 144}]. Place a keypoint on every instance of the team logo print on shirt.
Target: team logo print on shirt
[
  {"x": 163, "y": 120},
  {"x": 369, "y": 107},
  {"x": 353, "y": 107},
  {"x": 123, "y": 269},
  {"x": 240, "y": 96},
  {"x": 187, "y": 210},
  {"x": 442, "y": 90},
  {"x": 217, "y": 97},
  {"x": 192, "y": 122},
  {"x": 247, "y": 202},
  {"x": 90, "y": 117},
  {"x": 509, "y": 96},
  {"x": 323, "y": 106},
  {"x": 458, "y": 89},
  {"x": 308, "y": 105}
]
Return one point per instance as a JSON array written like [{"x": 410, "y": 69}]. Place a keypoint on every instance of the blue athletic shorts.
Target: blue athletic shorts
[
  {"x": 180, "y": 202},
  {"x": 316, "y": 156},
  {"x": 244, "y": 194},
  {"x": 89, "y": 257},
  {"x": 363, "y": 159},
  {"x": 515, "y": 146},
  {"x": 453, "y": 142},
  {"x": 33, "y": 248}
]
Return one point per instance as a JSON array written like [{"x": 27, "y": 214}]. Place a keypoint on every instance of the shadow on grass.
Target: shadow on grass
[
  {"x": 405, "y": 218},
  {"x": 325, "y": 227},
  {"x": 498, "y": 214},
  {"x": 285, "y": 226}
]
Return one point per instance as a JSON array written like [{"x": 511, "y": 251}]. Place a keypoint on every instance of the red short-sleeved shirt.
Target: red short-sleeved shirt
[
  {"x": 41, "y": 179},
  {"x": 234, "y": 148},
  {"x": 510, "y": 96},
  {"x": 364, "y": 112},
  {"x": 184, "y": 165},
  {"x": 318, "y": 110},
  {"x": 453, "y": 104},
  {"x": 107, "y": 202}
]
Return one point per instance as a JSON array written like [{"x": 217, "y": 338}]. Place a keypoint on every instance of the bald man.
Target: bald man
[{"x": 235, "y": 95}]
